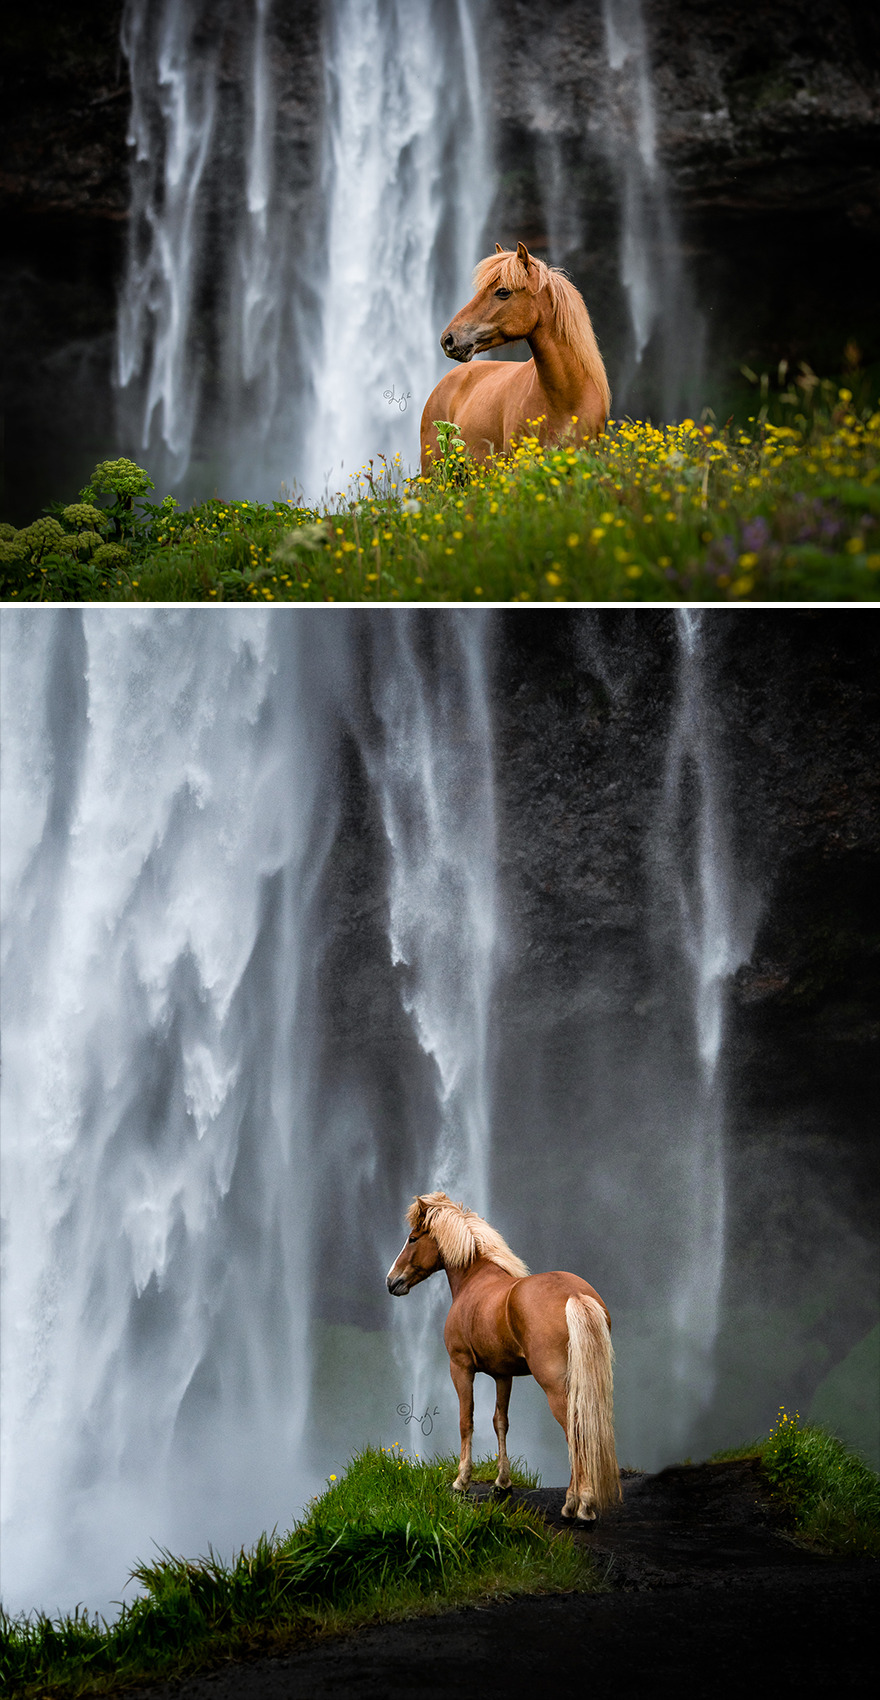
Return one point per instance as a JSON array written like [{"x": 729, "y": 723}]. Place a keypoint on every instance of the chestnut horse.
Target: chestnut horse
[
  {"x": 563, "y": 385},
  {"x": 505, "y": 1322}
]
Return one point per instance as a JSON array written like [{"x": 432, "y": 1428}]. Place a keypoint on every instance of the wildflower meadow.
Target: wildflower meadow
[{"x": 776, "y": 509}]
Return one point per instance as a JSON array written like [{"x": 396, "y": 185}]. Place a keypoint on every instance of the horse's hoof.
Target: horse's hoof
[
  {"x": 460, "y": 1487},
  {"x": 565, "y": 1511},
  {"x": 585, "y": 1516}
]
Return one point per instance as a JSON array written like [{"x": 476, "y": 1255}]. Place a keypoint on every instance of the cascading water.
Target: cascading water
[
  {"x": 171, "y": 128},
  {"x": 710, "y": 931},
  {"x": 435, "y": 783},
  {"x": 651, "y": 269},
  {"x": 170, "y": 804},
  {"x": 274, "y": 329},
  {"x": 165, "y": 822},
  {"x": 407, "y": 184}
]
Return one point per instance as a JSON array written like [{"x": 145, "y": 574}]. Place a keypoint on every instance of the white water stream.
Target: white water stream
[
  {"x": 651, "y": 268},
  {"x": 435, "y": 784},
  {"x": 712, "y": 931},
  {"x": 270, "y": 334},
  {"x": 163, "y": 841},
  {"x": 406, "y": 183}
]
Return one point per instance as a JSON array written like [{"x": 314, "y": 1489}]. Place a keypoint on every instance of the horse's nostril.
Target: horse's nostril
[{"x": 449, "y": 342}]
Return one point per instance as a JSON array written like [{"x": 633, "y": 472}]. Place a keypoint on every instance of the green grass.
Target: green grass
[
  {"x": 829, "y": 1495},
  {"x": 785, "y": 507},
  {"x": 388, "y": 1539}
]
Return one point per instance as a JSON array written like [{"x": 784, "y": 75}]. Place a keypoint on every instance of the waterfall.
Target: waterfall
[
  {"x": 253, "y": 1000},
  {"x": 406, "y": 184},
  {"x": 172, "y": 1120},
  {"x": 709, "y": 934},
  {"x": 434, "y": 779},
  {"x": 166, "y": 820},
  {"x": 279, "y": 319},
  {"x": 651, "y": 268},
  {"x": 174, "y": 86}
]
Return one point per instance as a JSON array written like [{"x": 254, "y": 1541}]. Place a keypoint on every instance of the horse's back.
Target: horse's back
[{"x": 536, "y": 1312}]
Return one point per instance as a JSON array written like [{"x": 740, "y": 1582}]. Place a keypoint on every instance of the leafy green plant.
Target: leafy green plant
[
  {"x": 454, "y": 459},
  {"x": 124, "y": 481},
  {"x": 827, "y": 1492},
  {"x": 66, "y": 556}
]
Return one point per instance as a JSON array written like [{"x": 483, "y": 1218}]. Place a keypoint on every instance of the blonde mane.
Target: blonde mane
[
  {"x": 569, "y": 308},
  {"x": 461, "y": 1234}
]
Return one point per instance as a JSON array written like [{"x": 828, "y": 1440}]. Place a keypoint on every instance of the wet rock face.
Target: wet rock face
[
  {"x": 66, "y": 103},
  {"x": 584, "y": 703},
  {"x": 756, "y": 107},
  {"x": 768, "y": 139},
  {"x": 595, "y": 1028},
  {"x": 766, "y": 107},
  {"x": 67, "y": 99}
]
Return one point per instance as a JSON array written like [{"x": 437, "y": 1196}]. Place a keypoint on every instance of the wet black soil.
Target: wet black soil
[{"x": 707, "y": 1593}]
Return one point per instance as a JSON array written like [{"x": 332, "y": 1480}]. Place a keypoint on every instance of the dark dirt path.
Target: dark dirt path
[{"x": 707, "y": 1597}]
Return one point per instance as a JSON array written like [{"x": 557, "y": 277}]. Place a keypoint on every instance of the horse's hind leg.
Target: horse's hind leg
[
  {"x": 503, "y": 1385},
  {"x": 558, "y": 1402},
  {"x": 463, "y": 1379}
]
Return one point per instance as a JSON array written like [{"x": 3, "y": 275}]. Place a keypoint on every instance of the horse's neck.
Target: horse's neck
[
  {"x": 561, "y": 375},
  {"x": 481, "y": 1267}
]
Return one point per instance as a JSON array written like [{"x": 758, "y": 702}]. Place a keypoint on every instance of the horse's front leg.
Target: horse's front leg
[
  {"x": 503, "y": 1385},
  {"x": 463, "y": 1379}
]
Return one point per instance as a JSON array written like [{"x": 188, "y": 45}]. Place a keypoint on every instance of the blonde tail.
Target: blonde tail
[{"x": 589, "y": 1383}]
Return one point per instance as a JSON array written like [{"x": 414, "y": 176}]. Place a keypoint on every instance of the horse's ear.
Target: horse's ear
[
  {"x": 498, "y": 248},
  {"x": 523, "y": 255}
]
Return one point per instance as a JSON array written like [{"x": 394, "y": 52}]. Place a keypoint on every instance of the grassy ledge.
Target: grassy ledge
[
  {"x": 785, "y": 508},
  {"x": 387, "y": 1540},
  {"x": 828, "y": 1494}
]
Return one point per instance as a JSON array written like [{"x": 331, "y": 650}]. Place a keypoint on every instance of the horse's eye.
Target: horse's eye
[{"x": 502, "y": 294}]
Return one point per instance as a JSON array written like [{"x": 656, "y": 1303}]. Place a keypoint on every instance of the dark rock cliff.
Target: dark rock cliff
[{"x": 583, "y": 712}]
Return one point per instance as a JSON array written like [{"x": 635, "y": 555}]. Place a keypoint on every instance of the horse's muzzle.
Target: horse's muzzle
[
  {"x": 398, "y": 1287},
  {"x": 462, "y": 351}
]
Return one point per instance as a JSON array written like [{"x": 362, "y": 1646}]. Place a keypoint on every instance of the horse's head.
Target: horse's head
[
  {"x": 419, "y": 1258},
  {"x": 505, "y": 308}
]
